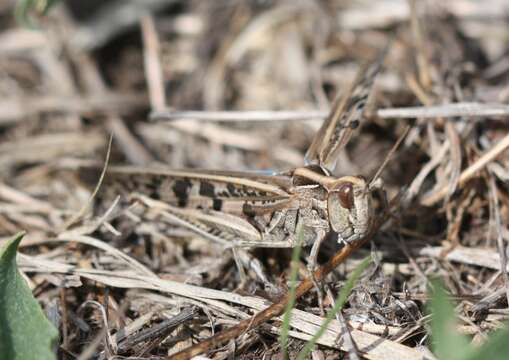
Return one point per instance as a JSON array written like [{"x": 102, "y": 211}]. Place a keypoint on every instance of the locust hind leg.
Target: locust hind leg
[{"x": 317, "y": 229}]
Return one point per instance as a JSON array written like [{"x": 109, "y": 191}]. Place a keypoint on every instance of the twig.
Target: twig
[
  {"x": 152, "y": 63},
  {"x": 160, "y": 330},
  {"x": 17, "y": 109},
  {"x": 418, "y": 35},
  {"x": 469, "y": 172},
  {"x": 109, "y": 343},
  {"x": 463, "y": 109},
  {"x": 496, "y": 226},
  {"x": 239, "y": 115}
]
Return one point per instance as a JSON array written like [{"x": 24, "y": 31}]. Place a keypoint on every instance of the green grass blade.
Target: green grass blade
[
  {"x": 495, "y": 348},
  {"x": 447, "y": 343},
  {"x": 338, "y": 305},
  {"x": 285, "y": 328}
]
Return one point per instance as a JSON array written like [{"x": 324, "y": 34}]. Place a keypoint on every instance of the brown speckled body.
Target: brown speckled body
[{"x": 268, "y": 209}]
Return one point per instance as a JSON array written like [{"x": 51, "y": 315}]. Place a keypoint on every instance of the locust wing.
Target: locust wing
[
  {"x": 345, "y": 115},
  {"x": 232, "y": 192}
]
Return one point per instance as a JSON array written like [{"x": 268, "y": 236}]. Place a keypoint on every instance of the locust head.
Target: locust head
[{"x": 349, "y": 206}]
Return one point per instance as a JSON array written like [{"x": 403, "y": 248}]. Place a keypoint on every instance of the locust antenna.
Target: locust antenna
[{"x": 388, "y": 157}]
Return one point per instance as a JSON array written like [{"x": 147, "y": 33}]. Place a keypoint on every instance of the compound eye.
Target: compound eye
[{"x": 345, "y": 192}]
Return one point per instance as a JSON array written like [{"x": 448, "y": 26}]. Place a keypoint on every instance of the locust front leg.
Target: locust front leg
[{"x": 315, "y": 229}]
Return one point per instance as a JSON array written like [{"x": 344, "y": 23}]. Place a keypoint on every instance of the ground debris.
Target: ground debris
[{"x": 244, "y": 86}]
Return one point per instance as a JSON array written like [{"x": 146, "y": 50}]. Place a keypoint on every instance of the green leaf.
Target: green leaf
[
  {"x": 447, "y": 342},
  {"x": 338, "y": 305},
  {"x": 25, "y": 333},
  {"x": 285, "y": 328},
  {"x": 495, "y": 348}
]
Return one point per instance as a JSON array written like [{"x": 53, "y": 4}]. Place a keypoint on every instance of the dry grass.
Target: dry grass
[{"x": 244, "y": 86}]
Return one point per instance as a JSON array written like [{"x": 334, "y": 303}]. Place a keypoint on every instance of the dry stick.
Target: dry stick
[
  {"x": 152, "y": 63},
  {"x": 469, "y": 172},
  {"x": 277, "y": 308},
  {"x": 418, "y": 35},
  {"x": 497, "y": 226},
  {"x": 460, "y": 109},
  {"x": 64, "y": 310},
  {"x": 15, "y": 109},
  {"x": 254, "y": 115}
]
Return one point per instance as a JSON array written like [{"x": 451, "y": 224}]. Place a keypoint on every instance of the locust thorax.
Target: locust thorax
[
  {"x": 349, "y": 207},
  {"x": 305, "y": 175}
]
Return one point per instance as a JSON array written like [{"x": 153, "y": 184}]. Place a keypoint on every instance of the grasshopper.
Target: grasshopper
[{"x": 243, "y": 209}]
